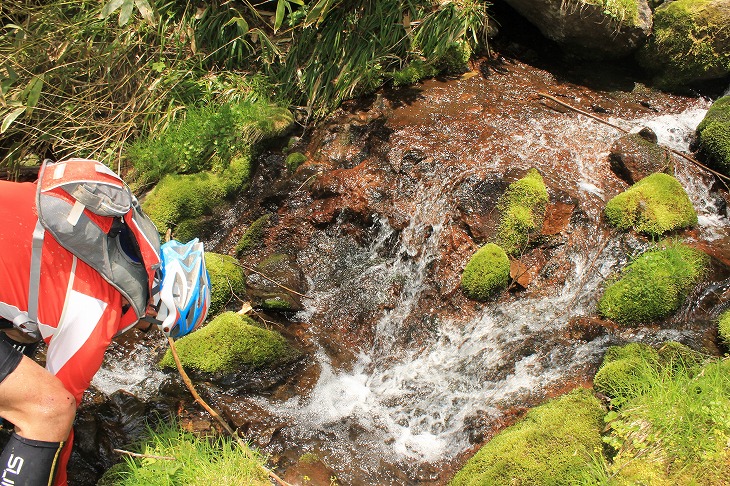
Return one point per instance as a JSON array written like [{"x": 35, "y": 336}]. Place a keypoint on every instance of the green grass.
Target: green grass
[
  {"x": 200, "y": 461},
  {"x": 654, "y": 285},
  {"x": 227, "y": 281},
  {"x": 723, "y": 326},
  {"x": 486, "y": 272},
  {"x": 655, "y": 205},
  {"x": 229, "y": 343},
  {"x": 553, "y": 445},
  {"x": 522, "y": 209}
]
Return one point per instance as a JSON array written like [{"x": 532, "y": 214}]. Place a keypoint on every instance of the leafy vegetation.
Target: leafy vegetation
[
  {"x": 486, "y": 272},
  {"x": 553, "y": 444},
  {"x": 194, "y": 460},
  {"x": 229, "y": 343},
  {"x": 654, "y": 285},
  {"x": 724, "y": 327},
  {"x": 522, "y": 209},
  {"x": 655, "y": 205}
]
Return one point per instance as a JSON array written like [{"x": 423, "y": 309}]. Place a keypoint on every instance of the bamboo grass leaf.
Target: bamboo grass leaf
[
  {"x": 10, "y": 118},
  {"x": 111, "y": 7},
  {"x": 280, "y": 10},
  {"x": 126, "y": 13},
  {"x": 36, "y": 86},
  {"x": 145, "y": 10}
]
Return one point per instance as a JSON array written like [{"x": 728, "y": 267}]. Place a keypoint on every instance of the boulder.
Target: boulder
[
  {"x": 266, "y": 288},
  {"x": 587, "y": 29},
  {"x": 691, "y": 43},
  {"x": 636, "y": 155},
  {"x": 713, "y": 136}
]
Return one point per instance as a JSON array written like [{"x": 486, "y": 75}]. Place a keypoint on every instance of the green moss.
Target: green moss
[
  {"x": 713, "y": 135},
  {"x": 228, "y": 343},
  {"x": 182, "y": 201},
  {"x": 676, "y": 356},
  {"x": 456, "y": 58},
  {"x": 625, "y": 12},
  {"x": 554, "y": 444},
  {"x": 227, "y": 280},
  {"x": 414, "y": 72},
  {"x": 486, "y": 272},
  {"x": 654, "y": 285},
  {"x": 690, "y": 43},
  {"x": 253, "y": 237},
  {"x": 522, "y": 208},
  {"x": 294, "y": 160},
  {"x": 724, "y": 327},
  {"x": 276, "y": 304},
  {"x": 655, "y": 205},
  {"x": 624, "y": 371}
]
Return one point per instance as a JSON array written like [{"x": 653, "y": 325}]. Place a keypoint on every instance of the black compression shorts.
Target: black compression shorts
[{"x": 9, "y": 359}]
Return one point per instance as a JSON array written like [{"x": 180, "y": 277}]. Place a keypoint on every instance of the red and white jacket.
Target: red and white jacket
[{"x": 78, "y": 311}]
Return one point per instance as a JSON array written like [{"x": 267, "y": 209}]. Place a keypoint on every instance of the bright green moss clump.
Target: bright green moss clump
[
  {"x": 656, "y": 204},
  {"x": 522, "y": 208},
  {"x": 624, "y": 371},
  {"x": 654, "y": 285},
  {"x": 487, "y": 271},
  {"x": 690, "y": 42},
  {"x": 182, "y": 201},
  {"x": 227, "y": 344},
  {"x": 414, "y": 72},
  {"x": 554, "y": 444},
  {"x": 294, "y": 160},
  {"x": 713, "y": 135},
  {"x": 227, "y": 280}
]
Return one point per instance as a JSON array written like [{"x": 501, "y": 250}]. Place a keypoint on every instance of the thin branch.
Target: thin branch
[
  {"x": 250, "y": 269},
  {"x": 145, "y": 456}
]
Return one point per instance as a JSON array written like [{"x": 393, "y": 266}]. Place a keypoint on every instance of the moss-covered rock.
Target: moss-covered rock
[
  {"x": 522, "y": 209},
  {"x": 227, "y": 280},
  {"x": 294, "y": 160},
  {"x": 713, "y": 135},
  {"x": 624, "y": 371},
  {"x": 182, "y": 201},
  {"x": 554, "y": 444},
  {"x": 655, "y": 205},
  {"x": 654, "y": 285},
  {"x": 253, "y": 236},
  {"x": 414, "y": 72},
  {"x": 486, "y": 272},
  {"x": 690, "y": 43},
  {"x": 268, "y": 287},
  {"x": 228, "y": 343},
  {"x": 676, "y": 356},
  {"x": 724, "y": 327}
]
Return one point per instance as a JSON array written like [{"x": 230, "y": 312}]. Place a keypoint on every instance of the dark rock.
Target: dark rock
[
  {"x": 635, "y": 156},
  {"x": 266, "y": 288}
]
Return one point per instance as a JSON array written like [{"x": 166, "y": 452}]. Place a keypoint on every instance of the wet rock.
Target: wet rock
[
  {"x": 557, "y": 218},
  {"x": 589, "y": 30},
  {"x": 637, "y": 155},
  {"x": 266, "y": 287},
  {"x": 477, "y": 204}
]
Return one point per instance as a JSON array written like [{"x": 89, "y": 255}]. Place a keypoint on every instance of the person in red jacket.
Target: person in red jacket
[{"x": 78, "y": 314}]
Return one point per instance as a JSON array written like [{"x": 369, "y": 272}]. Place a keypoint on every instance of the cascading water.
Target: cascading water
[{"x": 410, "y": 405}]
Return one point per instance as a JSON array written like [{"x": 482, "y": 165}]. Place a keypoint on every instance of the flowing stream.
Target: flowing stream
[{"x": 435, "y": 379}]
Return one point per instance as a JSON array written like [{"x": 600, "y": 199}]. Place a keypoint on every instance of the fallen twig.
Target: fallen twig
[
  {"x": 145, "y": 456},
  {"x": 250, "y": 269},
  {"x": 723, "y": 177},
  {"x": 216, "y": 415}
]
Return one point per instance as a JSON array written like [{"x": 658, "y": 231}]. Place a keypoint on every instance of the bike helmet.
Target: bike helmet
[{"x": 183, "y": 298}]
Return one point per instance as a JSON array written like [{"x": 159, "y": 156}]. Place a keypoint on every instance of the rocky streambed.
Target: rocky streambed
[{"x": 403, "y": 377}]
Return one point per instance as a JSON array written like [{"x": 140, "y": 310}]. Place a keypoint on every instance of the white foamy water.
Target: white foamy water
[{"x": 134, "y": 373}]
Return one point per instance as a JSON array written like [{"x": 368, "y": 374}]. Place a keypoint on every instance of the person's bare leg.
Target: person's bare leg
[{"x": 36, "y": 402}]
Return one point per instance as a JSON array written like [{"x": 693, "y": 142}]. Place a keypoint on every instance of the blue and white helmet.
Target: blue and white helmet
[{"x": 184, "y": 293}]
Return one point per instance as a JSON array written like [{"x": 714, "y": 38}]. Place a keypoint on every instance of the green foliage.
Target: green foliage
[
  {"x": 522, "y": 209},
  {"x": 654, "y": 285},
  {"x": 690, "y": 43},
  {"x": 229, "y": 343},
  {"x": 183, "y": 201},
  {"x": 713, "y": 135},
  {"x": 625, "y": 12},
  {"x": 294, "y": 160},
  {"x": 227, "y": 280},
  {"x": 724, "y": 327},
  {"x": 253, "y": 237},
  {"x": 677, "y": 431},
  {"x": 207, "y": 136},
  {"x": 553, "y": 445},
  {"x": 344, "y": 49},
  {"x": 486, "y": 272},
  {"x": 625, "y": 371},
  {"x": 196, "y": 461},
  {"x": 655, "y": 205},
  {"x": 414, "y": 72}
]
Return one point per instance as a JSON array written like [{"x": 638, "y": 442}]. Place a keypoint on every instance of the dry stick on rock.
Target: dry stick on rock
[
  {"x": 216, "y": 415},
  {"x": 723, "y": 177},
  {"x": 250, "y": 269}
]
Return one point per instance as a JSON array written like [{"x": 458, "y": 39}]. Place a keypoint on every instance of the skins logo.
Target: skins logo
[{"x": 15, "y": 464}]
